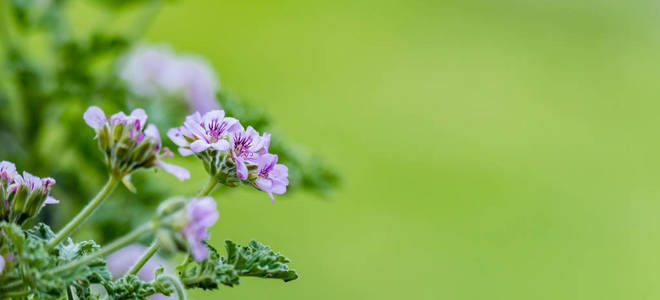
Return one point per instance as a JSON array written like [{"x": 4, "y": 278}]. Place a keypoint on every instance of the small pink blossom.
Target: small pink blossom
[
  {"x": 199, "y": 133},
  {"x": 202, "y": 214}
]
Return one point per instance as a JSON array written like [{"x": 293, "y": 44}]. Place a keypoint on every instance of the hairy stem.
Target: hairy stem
[
  {"x": 178, "y": 287},
  {"x": 143, "y": 260},
  {"x": 208, "y": 188},
  {"x": 114, "y": 246},
  {"x": 85, "y": 212}
]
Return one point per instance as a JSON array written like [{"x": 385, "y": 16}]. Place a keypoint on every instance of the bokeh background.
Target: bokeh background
[{"x": 489, "y": 149}]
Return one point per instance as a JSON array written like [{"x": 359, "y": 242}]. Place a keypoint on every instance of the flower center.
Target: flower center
[
  {"x": 215, "y": 129},
  {"x": 266, "y": 170},
  {"x": 242, "y": 145}
]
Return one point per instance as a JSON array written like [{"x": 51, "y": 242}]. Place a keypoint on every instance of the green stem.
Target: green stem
[
  {"x": 178, "y": 287},
  {"x": 114, "y": 246},
  {"x": 208, "y": 188},
  {"x": 85, "y": 212},
  {"x": 143, "y": 260}
]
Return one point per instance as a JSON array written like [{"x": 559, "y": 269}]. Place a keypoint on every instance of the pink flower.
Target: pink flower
[
  {"x": 272, "y": 177},
  {"x": 150, "y": 71},
  {"x": 202, "y": 214},
  {"x": 199, "y": 133},
  {"x": 248, "y": 146}
]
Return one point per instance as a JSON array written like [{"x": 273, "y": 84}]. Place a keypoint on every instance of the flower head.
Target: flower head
[
  {"x": 153, "y": 70},
  {"x": 25, "y": 196},
  {"x": 129, "y": 143},
  {"x": 231, "y": 154},
  {"x": 202, "y": 214}
]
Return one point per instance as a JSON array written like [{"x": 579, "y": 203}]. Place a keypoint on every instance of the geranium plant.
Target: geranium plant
[{"x": 36, "y": 263}]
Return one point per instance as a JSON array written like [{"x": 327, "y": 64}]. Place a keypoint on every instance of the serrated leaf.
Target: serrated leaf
[
  {"x": 129, "y": 287},
  {"x": 255, "y": 260},
  {"x": 33, "y": 262},
  {"x": 258, "y": 260}
]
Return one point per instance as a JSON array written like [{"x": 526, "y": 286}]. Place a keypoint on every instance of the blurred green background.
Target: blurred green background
[{"x": 489, "y": 149}]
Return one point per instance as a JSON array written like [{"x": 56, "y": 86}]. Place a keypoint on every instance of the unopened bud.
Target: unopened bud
[{"x": 129, "y": 143}]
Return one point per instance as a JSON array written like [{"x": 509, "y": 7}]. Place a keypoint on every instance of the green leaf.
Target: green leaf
[
  {"x": 255, "y": 260},
  {"x": 129, "y": 287},
  {"x": 33, "y": 262},
  {"x": 259, "y": 260}
]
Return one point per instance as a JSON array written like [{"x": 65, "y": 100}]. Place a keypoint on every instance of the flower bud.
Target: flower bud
[
  {"x": 170, "y": 207},
  {"x": 128, "y": 143},
  {"x": 26, "y": 196}
]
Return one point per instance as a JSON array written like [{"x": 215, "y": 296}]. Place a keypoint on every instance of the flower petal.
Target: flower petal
[
  {"x": 178, "y": 172},
  {"x": 50, "y": 200},
  {"x": 278, "y": 188},
  {"x": 152, "y": 132},
  {"x": 264, "y": 184},
  {"x": 177, "y": 137},
  {"x": 233, "y": 125},
  {"x": 264, "y": 143},
  {"x": 199, "y": 251},
  {"x": 217, "y": 115},
  {"x": 199, "y": 146},
  {"x": 195, "y": 128},
  {"x": 185, "y": 151},
  {"x": 241, "y": 169},
  {"x": 33, "y": 182},
  {"x": 94, "y": 117},
  {"x": 221, "y": 145},
  {"x": 140, "y": 115}
]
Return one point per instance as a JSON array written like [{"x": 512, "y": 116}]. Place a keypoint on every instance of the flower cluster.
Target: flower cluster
[
  {"x": 22, "y": 197},
  {"x": 231, "y": 153},
  {"x": 152, "y": 70},
  {"x": 129, "y": 143}
]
